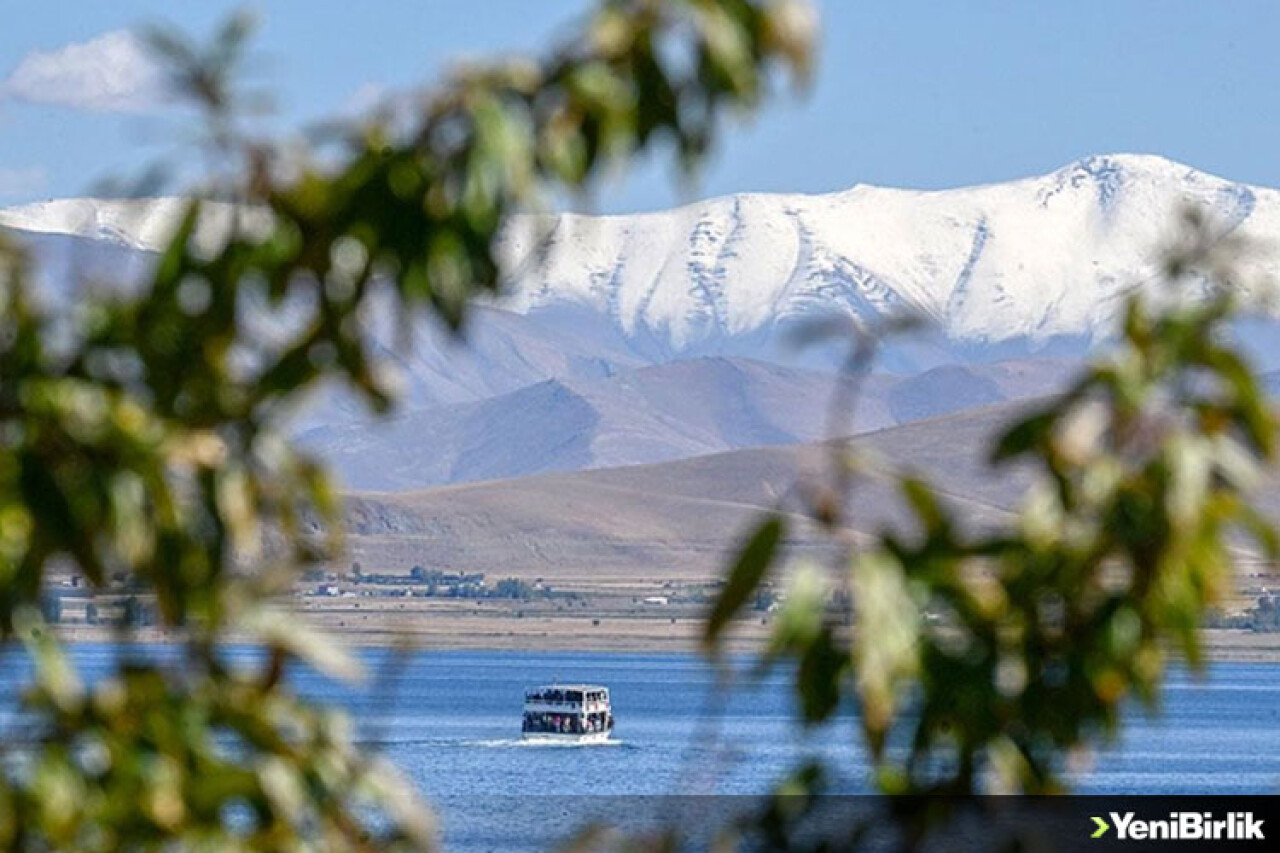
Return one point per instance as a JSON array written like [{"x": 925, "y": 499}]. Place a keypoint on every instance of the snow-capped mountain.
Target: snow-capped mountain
[
  {"x": 598, "y": 355},
  {"x": 143, "y": 224},
  {"x": 1006, "y": 269},
  {"x": 1023, "y": 263}
]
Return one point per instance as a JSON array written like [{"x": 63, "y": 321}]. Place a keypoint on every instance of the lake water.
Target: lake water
[{"x": 451, "y": 721}]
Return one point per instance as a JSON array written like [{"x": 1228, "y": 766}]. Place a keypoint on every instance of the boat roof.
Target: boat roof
[{"x": 569, "y": 687}]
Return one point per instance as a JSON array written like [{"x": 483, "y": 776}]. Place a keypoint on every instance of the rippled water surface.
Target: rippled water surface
[{"x": 451, "y": 721}]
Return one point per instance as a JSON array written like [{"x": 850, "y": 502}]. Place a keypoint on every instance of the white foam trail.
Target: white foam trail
[{"x": 509, "y": 743}]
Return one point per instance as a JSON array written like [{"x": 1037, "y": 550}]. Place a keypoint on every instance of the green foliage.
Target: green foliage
[
  {"x": 745, "y": 576},
  {"x": 141, "y": 434},
  {"x": 148, "y": 759},
  {"x": 141, "y": 441},
  {"x": 979, "y": 660}
]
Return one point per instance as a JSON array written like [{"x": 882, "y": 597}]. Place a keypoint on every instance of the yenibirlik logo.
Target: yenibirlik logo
[{"x": 1182, "y": 826}]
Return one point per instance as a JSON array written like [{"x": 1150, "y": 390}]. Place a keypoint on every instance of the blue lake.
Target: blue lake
[{"x": 451, "y": 721}]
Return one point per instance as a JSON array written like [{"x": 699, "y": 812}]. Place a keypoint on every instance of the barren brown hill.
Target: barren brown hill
[{"x": 674, "y": 520}]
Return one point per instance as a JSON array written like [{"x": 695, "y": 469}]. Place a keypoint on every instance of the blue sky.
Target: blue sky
[{"x": 908, "y": 93}]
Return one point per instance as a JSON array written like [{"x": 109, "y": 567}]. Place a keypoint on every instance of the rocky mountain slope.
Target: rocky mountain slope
[
  {"x": 661, "y": 336},
  {"x": 673, "y": 520},
  {"x": 651, "y": 414},
  {"x": 680, "y": 520},
  {"x": 1027, "y": 266}
]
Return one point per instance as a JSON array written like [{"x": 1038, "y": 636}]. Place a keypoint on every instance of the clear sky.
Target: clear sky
[{"x": 908, "y": 93}]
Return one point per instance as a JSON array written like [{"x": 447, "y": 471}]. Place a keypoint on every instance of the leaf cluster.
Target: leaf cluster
[
  {"x": 984, "y": 660},
  {"x": 142, "y": 430}
]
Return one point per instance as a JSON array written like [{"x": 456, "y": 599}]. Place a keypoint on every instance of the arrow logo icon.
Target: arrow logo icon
[{"x": 1103, "y": 826}]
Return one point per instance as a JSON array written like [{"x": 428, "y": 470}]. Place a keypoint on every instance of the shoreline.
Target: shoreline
[{"x": 490, "y": 633}]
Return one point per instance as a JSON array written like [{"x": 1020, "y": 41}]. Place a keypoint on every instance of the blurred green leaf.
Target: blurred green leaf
[
  {"x": 754, "y": 560},
  {"x": 144, "y": 438}
]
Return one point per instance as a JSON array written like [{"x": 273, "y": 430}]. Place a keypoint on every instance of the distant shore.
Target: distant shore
[{"x": 441, "y": 626}]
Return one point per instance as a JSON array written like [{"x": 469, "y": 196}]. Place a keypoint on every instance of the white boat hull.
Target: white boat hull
[{"x": 561, "y": 737}]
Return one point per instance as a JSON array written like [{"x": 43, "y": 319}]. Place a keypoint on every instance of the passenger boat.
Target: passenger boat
[{"x": 569, "y": 713}]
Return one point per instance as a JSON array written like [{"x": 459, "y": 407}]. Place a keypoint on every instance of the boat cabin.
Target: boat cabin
[{"x": 567, "y": 709}]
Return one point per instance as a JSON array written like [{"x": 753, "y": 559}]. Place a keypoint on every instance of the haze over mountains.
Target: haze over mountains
[
  {"x": 681, "y": 409},
  {"x": 674, "y": 520},
  {"x": 663, "y": 336},
  {"x": 679, "y": 520}
]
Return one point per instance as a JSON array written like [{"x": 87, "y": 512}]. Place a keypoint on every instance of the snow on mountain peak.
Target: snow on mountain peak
[
  {"x": 1027, "y": 261},
  {"x": 144, "y": 224}
]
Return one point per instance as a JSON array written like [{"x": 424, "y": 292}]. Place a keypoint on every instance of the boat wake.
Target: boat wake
[{"x": 538, "y": 743}]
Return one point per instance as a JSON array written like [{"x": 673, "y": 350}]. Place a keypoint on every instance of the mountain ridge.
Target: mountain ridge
[
  {"x": 1029, "y": 266},
  {"x": 1029, "y": 261},
  {"x": 682, "y": 409},
  {"x": 684, "y": 518}
]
